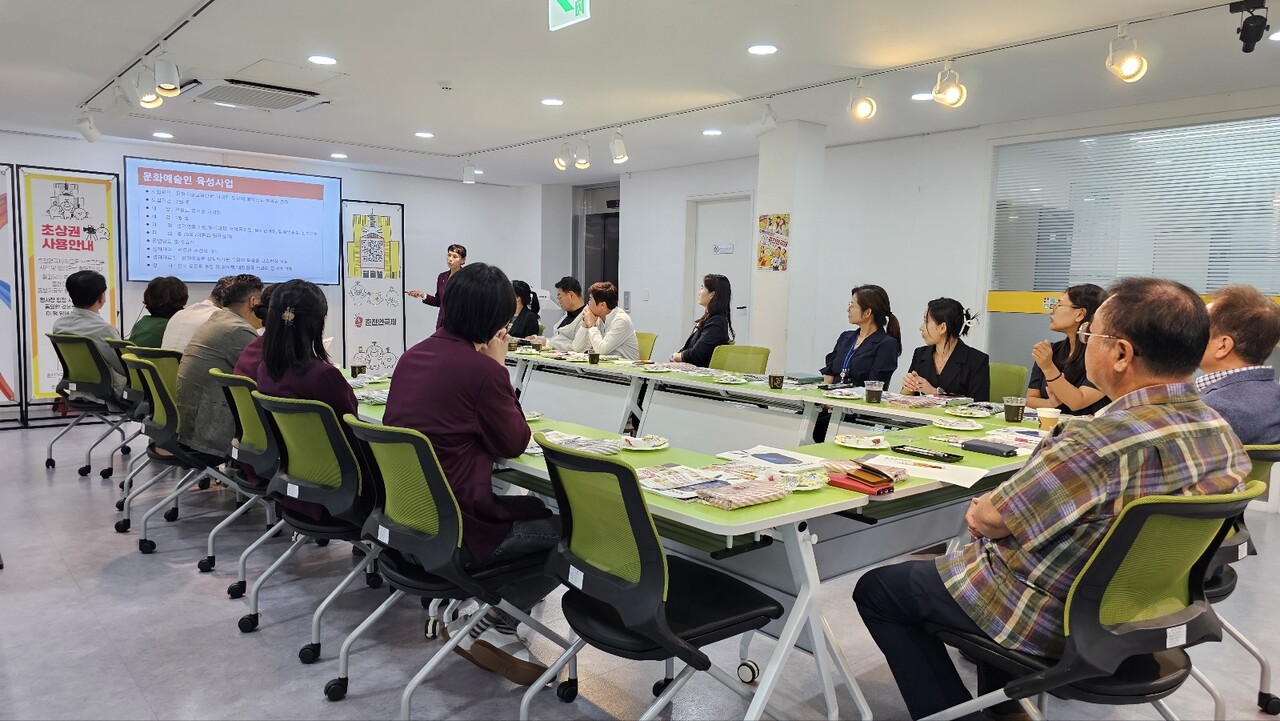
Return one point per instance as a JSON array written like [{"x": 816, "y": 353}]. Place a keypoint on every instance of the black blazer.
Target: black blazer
[
  {"x": 702, "y": 342},
  {"x": 875, "y": 360},
  {"x": 967, "y": 372},
  {"x": 524, "y": 325}
]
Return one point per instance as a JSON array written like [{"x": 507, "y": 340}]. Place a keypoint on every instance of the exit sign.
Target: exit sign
[{"x": 563, "y": 13}]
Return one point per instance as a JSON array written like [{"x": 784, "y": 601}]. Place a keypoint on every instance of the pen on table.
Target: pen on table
[{"x": 921, "y": 464}]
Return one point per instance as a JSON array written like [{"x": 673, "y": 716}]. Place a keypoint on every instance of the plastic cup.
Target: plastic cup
[
  {"x": 593, "y": 358},
  {"x": 512, "y": 345},
  {"x": 1015, "y": 409},
  {"x": 1048, "y": 418},
  {"x": 775, "y": 381},
  {"x": 357, "y": 371},
  {"x": 874, "y": 391}
]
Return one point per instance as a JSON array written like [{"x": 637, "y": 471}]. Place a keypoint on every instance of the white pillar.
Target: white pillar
[{"x": 789, "y": 180}]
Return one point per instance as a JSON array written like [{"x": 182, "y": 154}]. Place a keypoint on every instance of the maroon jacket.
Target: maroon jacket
[
  {"x": 464, "y": 403},
  {"x": 250, "y": 357},
  {"x": 437, "y": 300}
]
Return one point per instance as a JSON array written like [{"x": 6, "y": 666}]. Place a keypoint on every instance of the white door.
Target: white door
[{"x": 723, "y": 236}]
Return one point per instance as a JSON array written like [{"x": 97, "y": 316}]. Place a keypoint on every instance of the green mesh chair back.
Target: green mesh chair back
[
  {"x": 1006, "y": 380},
  {"x": 317, "y": 464},
  {"x": 1145, "y": 578},
  {"x": 165, "y": 360},
  {"x": 134, "y": 394},
  {"x": 646, "y": 341},
  {"x": 160, "y": 422},
  {"x": 740, "y": 358},
  {"x": 609, "y": 548},
  {"x": 1239, "y": 542},
  {"x": 84, "y": 370},
  {"x": 256, "y": 445}
]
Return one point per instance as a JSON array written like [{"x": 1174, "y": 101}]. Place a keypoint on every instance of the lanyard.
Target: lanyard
[{"x": 845, "y": 370}]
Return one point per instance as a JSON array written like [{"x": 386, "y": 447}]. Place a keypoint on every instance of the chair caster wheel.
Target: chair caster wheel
[
  {"x": 310, "y": 653},
  {"x": 125, "y": 450},
  {"x": 146, "y": 545},
  {"x": 122, "y": 526},
  {"x": 432, "y": 629},
  {"x": 202, "y": 484},
  {"x": 248, "y": 623},
  {"x": 237, "y": 589},
  {"x": 50, "y": 463},
  {"x": 105, "y": 472},
  {"x": 322, "y": 542},
  {"x": 1269, "y": 703},
  {"x": 171, "y": 515},
  {"x": 660, "y": 686},
  {"x": 120, "y": 485},
  {"x": 206, "y": 564},
  {"x": 373, "y": 580},
  {"x": 336, "y": 689},
  {"x": 84, "y": 470},
  {"x": 120, "y": 505},
  {"x": 748, "y": 672},
  {"x": 567, "y": 691}
]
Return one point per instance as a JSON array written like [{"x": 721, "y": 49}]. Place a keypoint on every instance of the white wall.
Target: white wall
[
  {"x": 651, "y": 254},
  {"x": 910, "y": 214},
  {"x": 497, "y": 224}
]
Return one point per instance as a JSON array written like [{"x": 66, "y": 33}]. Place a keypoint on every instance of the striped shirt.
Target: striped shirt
[{"x": 1158, "y": 440}]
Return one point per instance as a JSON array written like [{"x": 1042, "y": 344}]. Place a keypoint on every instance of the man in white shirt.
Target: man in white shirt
[
  {"x": 88, "y": 291},
  {"x": 606, "y": 328},
  {"x": 569, "y": 298},
  {"x": 183, "y": 325}
]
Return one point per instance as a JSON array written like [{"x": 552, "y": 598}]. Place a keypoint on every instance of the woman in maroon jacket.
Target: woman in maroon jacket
[
  {"x": 455, "y": 390},
  {"x": 457, "y": 255}
]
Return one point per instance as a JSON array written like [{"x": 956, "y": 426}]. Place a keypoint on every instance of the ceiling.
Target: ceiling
[{"x": 630, "y": 61}]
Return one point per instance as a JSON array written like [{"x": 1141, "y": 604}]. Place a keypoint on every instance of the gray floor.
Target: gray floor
[{"x": 90, "y": 628}]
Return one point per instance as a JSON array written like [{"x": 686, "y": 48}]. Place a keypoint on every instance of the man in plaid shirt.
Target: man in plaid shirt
[{"x": 1034, "y": 533}]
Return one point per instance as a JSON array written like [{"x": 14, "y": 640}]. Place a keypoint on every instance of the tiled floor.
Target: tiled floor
[{"x": 92, "y": 629}]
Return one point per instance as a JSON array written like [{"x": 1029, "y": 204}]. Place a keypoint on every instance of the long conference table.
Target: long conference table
[{"x": 786, "y": 547}]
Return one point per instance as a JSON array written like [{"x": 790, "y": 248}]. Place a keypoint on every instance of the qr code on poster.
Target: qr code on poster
[{"x": 371, "y": 251}]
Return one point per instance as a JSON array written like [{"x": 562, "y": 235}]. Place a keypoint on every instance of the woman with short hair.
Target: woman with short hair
[
  {"x": 163, "y": 297},
  {"x": 455, "y": 256}
]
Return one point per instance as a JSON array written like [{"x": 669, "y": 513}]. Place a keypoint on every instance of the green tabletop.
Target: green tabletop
[{"x": 795, "y": 507}]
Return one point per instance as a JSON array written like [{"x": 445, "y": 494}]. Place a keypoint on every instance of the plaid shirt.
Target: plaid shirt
[
  {"x": 1209, "y": 379},
  {"x": 1158, "y": 440}
]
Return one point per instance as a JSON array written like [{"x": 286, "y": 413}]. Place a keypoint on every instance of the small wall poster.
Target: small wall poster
[{"x": 772, "y": 243}]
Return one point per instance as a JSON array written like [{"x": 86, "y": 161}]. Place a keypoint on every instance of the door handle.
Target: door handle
[{"x": 740, "y": 307}]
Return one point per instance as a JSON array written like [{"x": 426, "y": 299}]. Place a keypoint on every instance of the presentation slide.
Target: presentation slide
[{"x": 201, "y": 222}]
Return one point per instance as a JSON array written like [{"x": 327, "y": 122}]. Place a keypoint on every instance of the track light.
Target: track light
[
  {"x": 1252, "y": 27},
  {"x": 1123, "y": 59},
  {"x": 767, "y": 122},
  {"x": 617, "y": 148},
  {"x": 146, "y": 85},
  {"x": 565, "y": 157},
  {"x": 861, "y": 107},
  {"x": 582, "y": 154},
  {"x": 947, "y": 90},
  {"x": 85, "y": 125},
  {"x": 469, "y": 174},
  {"x": 168, "y": 82},
  {"x": 120, "y": 102}
]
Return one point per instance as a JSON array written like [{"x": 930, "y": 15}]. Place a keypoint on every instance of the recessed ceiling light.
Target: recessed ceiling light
[
  {"x": 225, "y": 105},
  {"x": 338, "y": 156},
  {"x": 424, "y": 134},
  {"x": 1034, "y": 190},
  {"x": 553, "y": 102},
  {"x": 479, "y": 171},
  {"x": 322, "y": 60},
  {"x": 711, "y": 131},
  {"x": 763, "y": 49},
  {"x": 922, "y": 96},
  {"x": 163, "y": 136}
]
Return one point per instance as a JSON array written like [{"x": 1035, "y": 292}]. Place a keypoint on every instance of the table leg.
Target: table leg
[
  {"x": 524, "y": 371},
  {"x": 810, "y": 415},
  {"x": 644, "y": 411},
  {"x": 633, "y": 404}
]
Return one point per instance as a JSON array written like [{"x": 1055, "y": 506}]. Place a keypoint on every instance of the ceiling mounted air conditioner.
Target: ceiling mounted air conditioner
[{"x": 258, "y": 96}]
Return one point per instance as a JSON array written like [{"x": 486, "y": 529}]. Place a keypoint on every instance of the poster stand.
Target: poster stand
[{"x": 373, "y": 292}]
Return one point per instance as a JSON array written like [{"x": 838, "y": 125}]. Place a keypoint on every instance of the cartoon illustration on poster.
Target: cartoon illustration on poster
[
  {"x": 374, "y": 284},
  {"x": 773, "y": 241}
]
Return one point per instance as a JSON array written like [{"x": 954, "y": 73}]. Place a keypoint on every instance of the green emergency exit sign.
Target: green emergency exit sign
[{"x": 563, "y": 13}]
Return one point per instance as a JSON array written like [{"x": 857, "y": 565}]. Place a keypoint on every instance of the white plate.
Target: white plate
[
  {"x": 862, "y": 442},
  {"x": 959, "y": 424},
  {"x": 656, "y": 369},
  {"x": 532, "y": 415},
  {"x": 845, "y": 394},
  {"x": 647, "y": 442},
  {"x": 967, "y": 412},
  {"x": 731, "y": 380}
]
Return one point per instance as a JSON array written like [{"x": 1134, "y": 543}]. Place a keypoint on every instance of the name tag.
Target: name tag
[
  {"x": 1176, "y": 636},
  {"x": 384, "y": 534},
  {"x": 291, "y": 490},
  {"x": 235, "y": 452},
  {"x": 575, "y": 578}
]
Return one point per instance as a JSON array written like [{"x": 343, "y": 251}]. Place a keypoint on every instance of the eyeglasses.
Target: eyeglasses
[
  {"x": 1085, "y": 335},
  {"x": 1057, "y": 304}
]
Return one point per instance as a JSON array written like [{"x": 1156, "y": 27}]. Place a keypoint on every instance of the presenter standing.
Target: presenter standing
[{"x": 456, "y": 257}]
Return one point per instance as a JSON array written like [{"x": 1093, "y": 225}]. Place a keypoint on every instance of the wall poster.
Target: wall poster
[
  {"x": 68, "y": 225},
  {"x": 373, "y": 284},
  {"x": 9, "y": 358},
  {"x": 771, "y": 246}
]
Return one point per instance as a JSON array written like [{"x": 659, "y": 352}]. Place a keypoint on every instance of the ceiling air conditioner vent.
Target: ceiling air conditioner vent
[{"x": 245, "y": 94}]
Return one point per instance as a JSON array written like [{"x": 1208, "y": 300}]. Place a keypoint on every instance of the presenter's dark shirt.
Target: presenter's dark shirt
[{"x": 967, "y": 372}]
